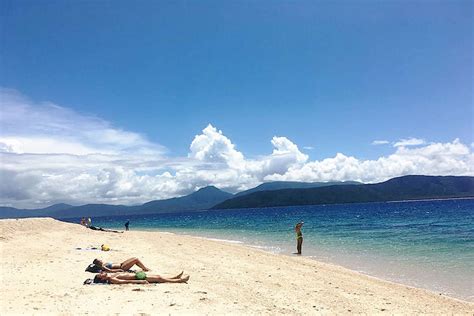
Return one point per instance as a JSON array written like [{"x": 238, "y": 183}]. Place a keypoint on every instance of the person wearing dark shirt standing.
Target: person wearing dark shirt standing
[
  {"x": 299, "y": 237},
  {"x": 127, "y": 224}
]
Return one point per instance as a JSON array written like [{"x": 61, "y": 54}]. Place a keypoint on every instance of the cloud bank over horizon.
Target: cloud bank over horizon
[{"x": 52, "y": 154}]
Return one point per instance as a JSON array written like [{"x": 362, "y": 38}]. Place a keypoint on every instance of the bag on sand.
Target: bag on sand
[{"x": 93, "y": 268}]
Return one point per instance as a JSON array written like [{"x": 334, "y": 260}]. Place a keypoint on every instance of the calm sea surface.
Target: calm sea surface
[{"x": 427, "y": 244}]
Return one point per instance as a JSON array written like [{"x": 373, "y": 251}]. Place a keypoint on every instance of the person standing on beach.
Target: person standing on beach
[
  {"x": 299, "y": 237},
  {"x": 126, "y": 225}
]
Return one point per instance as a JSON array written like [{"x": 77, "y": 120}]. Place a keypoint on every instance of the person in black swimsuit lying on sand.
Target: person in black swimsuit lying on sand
[
  {"x": 119, "y": 267},
  {"x": 137, "y": 278},
  {"x": 103, "y": 229}
]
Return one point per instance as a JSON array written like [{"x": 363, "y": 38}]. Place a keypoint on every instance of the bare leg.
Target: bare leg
[
  {"x": 298, "y": 246},
  {"x": 178, "y": 276},
  {"x": 160, "y": 279},
  {"x": 127, "y": 264}
]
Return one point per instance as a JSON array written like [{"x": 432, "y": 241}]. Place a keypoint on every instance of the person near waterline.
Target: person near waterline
[
  {"x": 299, "y": 237},
  {"x": 127, "y": 224}
]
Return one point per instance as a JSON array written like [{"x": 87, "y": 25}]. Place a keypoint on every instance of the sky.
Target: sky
[{"x": 123, "y": 103}]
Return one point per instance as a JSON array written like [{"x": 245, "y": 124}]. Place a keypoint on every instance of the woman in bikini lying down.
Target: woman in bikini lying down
[
  {"x": 137, "y": 278},
  {"x": 119, "y": 267}
]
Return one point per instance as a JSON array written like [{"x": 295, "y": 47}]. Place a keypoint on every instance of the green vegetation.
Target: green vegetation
[{"x": 397, "y": 189}]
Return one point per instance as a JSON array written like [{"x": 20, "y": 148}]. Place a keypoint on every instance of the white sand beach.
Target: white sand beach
[{"x": 43, "y": 273}]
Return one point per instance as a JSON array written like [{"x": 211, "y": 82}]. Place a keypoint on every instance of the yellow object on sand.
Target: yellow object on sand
[{"x": 105, "y": 248}]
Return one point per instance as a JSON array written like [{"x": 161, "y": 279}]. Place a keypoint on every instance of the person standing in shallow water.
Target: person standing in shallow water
[
  {"x": 126, "y": 225},
  {"x": 299, "y": 237}
]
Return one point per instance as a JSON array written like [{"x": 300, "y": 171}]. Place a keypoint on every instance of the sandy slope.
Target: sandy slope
[{"x": 42, "y": 273}]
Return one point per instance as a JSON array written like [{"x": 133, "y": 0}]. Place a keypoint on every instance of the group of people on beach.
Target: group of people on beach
[
  {"x": 120, "y": 273},
  {"x": 86, "y": 222},
  {"x": 299, "y": 234}
]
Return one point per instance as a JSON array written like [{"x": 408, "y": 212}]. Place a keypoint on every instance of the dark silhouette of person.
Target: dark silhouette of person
[
  {"x": 299, "y": 237},
  {"x": 126, "y": 225}
]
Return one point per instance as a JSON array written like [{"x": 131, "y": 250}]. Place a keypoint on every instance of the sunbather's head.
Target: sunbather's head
[
  {"x": 101, "y": 278},
  {"x": 98, "y": 262}
]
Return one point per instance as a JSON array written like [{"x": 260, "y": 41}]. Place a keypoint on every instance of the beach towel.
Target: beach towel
[{"x": 87, "y": 248}]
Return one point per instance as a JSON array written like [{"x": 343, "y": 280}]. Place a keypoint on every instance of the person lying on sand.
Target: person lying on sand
[
  {"x": 137, "y": 278},
  {"x": 119, "y": 267},
  {"x": 104, "y": 230}
]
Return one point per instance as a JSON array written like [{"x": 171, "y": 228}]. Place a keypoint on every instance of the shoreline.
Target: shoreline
[
  {"x": 435, "y": 199},
  {"x": 362, "y": 273},
  {"x": 267, "y": 249},
  {"x": 225, "y": 277}
]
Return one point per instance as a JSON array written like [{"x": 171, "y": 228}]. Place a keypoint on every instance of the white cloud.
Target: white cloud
[
  {"x": 380, "y": 142},
  {"x": 452, "y": 158},
  {"x": 285, "y": 155},
  {"x": 52, "y": 154},
  {"x": 45, "y": 145},
  {"x": 308, "y": 147},
  {"x": 48, "y": 128},
  {"x": 212, "y": 146},
  {"x": 224, "y": 166},
  {"x": 409, "y": 142}
]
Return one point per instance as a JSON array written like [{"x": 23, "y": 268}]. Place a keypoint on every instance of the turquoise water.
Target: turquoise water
[{"x": 427, "y": 244}]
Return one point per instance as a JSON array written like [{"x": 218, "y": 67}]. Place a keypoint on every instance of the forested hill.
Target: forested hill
[
  {"x": 396, "y": 189},
  {"x": 202, "y": 199},
  {"x": 280, "y": 185}
]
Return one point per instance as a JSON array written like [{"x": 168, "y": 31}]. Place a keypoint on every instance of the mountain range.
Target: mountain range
[
  {"x": 279, "y": 185},
  {"x": 396, "y": 189},
  {"x": 270, "y": 194},
  {"x": 202, "y": 199}
]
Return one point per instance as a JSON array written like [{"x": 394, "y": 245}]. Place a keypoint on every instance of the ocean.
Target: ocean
[{"x": 427, "y": 244}]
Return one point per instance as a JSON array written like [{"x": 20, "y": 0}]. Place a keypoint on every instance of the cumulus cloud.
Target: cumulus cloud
[
  {"x": 222, "y": 164},
  {"x": 285, "y": 155},
  {"x": 452, "y": 158},
  {"x": 409, "y": 142},
  {"x": 52, "y": 154},
  {"x": 380, "y": 142},
  {"x": 212, "y": 146}
]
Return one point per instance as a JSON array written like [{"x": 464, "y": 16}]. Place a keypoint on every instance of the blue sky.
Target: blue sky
[{"x": 330, "y": 76}]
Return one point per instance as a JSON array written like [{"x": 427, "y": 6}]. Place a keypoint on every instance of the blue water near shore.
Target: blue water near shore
[{"x": 427, "y": 244}]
